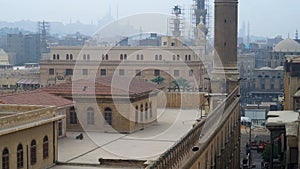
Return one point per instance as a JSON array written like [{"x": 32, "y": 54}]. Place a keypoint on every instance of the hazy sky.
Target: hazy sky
[{"x": 266, "y": 17}]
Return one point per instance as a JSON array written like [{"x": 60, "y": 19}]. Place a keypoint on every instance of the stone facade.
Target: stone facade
[
  {"x": 66, "y": 63},
  {"x": 34, "y": 133}
]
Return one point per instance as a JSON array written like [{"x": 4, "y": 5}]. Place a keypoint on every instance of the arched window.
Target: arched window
[
  {"x": 186, "y": 57},
  {"x": 189, "y": 57},
  {"x": 5, "y": 159},
  {"x": 67, "y": 56},
  {"x": 142, "y": 57},
  {"x": 20, "y": 163},
  {"x": 88, "y": 56},
  {"x": 160, "y": 57},
  {"x": 146, "y": 111},
  {"x": 108, "y": 116},
  {"x": 71, "y": 57},
  {"x": 57, "y": 56},
  {"x": 121, "y": 57},
  {"x": 141, "y": 110},
  {"x": 178, "y": 57},
  {"x": 137, "y": 57},
  {"x": 84, "y": 57},
  {"x": 174, "y": 57},
  {"x": 136, "y": 114},
  {"x": 90, "y": 116},
  {"x": 156, "y": 57},
  {"x": 45, "y": 147},
  {"x": 150, "y": 106},
  {"x": 73, "y": 116},
  {"x": 54, "y": 56},
  {"x": 33, "y": 152},
  {"x": 125, "y": 56},
  {"x": 103, "y": 56},
  {"x": 106, "y": 56}
]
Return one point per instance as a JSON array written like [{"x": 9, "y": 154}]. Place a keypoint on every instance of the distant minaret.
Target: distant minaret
[
  {"x": 225, "y": 59},
  {"x": 296, "y": 36}
]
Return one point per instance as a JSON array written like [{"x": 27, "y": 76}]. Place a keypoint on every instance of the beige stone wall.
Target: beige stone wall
[
  {"x": 123, "y": 114},
  {"x": 190, "y": 59},
  {"x": 24, "y": 137},
  {"x": 186, "y": 100}
]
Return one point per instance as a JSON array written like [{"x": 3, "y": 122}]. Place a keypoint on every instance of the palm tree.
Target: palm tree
[
  {"x": 158, "y": 80},
  {"x": 181, "y": 83}
]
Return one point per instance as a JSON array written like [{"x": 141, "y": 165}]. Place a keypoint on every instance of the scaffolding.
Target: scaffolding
[
  {"x": 43, "y": 28},
  {"x": 176, "y": 22}
]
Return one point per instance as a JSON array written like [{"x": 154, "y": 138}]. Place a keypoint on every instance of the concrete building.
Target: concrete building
[
  {"x": 284, "y": 128},
  {"x": 34, "y": 133},
  {"x": 107, "y": 105},
  {"x": 292, "y": 83},
  {"x": 23, "y": 48},
  {"x": 267, "y": 84}
]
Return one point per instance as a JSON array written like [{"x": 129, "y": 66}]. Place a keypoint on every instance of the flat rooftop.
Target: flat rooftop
[
  {"x": 276, "y": 118},
  {"x": 147, "y": 144}
]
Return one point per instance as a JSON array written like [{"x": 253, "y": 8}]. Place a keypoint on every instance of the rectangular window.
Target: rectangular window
[
  {"x": 85, "y": 72},
  {"x": 137, "y": 72},
  {"x": 176, "y": 73},
  {"x": 90, "y": 118},
  {"x": 51, "y": 71},
  {"x": 191, "y": 72},
  {"x": 103, "y": 72},
  {"x": 73, "y": 117},
  {"x": 60, "y": 128},
  {"x": 156, "y": 72},
  {"x": 69, "y": 71},
  {"x": 121, "y": 72}
]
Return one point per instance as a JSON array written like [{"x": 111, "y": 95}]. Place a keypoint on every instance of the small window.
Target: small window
[
  {"x": 20, "y": 160},
  {"x": 137, "y": 72},
  {"x": 69, "y": 71},
  {"x": 190, "y": 57},
  {"x": 121, "y": 56},
  {"x": 137, "y": 57},
  {"x": 121, "y": 72},
  {"x": 57, "y": 57},
  {"x": 85, "y": 72},
  {"x": 156, "y": 57},
  {"x": 125, "y": 56},
  {"x": 146, "y": 111},
  {"x": 88, "y": 56},
  {"x": 141, "y": 111},
  {"x": 150, "y": 107},
  {"x": 160, "y": 57},
  {"x": 84, "y": 57},
  {"x": 51, "y": 71},
  {"x": 176, "y": 73},
  {"x": 54, "y": 56},
  {"x": 186, "y": 57},
  {"x": 191, "y": 72},
  {"x": 71, "y": 57},
  {"x": 103, "y": 72},
  {"x": 106, "y": 57},
  {"x": 103, "y": 57},
  {"x": 165, "y": 43},
  {"x": 73, "y": 116},
  {"x": 178, "y": 57},
  {"x": 5, "y": 159},
  {"x": 33, "y": 152},
  {"x": 156, "y": 72},
  {"x": 174, "y": 57},
  {"x": 45, "y": 147},
  {"x": 142, "y": 57},
  {"x": 136, "y": 114},
  {"x": 90, "y": 116},
  {"x": 67, "y": 56},
  {"x": 108, "y": 116}
]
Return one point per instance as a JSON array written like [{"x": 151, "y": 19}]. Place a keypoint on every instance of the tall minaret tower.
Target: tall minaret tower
[{"x": 225, "y": 69}]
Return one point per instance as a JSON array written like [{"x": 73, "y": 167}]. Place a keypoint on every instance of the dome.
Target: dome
[
  {"x": 3, "y": 57},
  {"x": 287, "y": 45}
]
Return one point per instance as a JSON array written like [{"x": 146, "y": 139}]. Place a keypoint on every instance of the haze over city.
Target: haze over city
[{"x": 265, "y": 17}]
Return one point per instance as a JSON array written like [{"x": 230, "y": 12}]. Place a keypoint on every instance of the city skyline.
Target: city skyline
[{"x": 263, "y": 21}]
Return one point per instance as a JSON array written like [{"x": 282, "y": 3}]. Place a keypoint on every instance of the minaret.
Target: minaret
[{"x": 225, "y": 69}]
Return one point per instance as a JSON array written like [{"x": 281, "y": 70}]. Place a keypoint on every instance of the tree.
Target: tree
[
  {"x": 180, "y": 83},
  {"x": 158, "y": 80}
]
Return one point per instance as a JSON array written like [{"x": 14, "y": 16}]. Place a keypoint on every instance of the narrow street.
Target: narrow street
[{"x": 257, "y": 134}]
